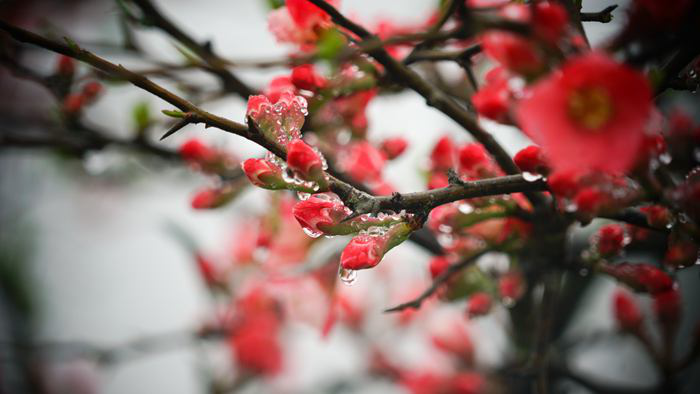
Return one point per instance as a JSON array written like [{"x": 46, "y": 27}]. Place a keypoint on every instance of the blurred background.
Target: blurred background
[{"x": 91, "y": 255}]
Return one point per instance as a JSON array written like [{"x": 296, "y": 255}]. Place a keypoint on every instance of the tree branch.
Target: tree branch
[
  {"x": 603, "y": 16},
  {"x": 437, "y": 282},
  {"x": 230, "y": 82}
]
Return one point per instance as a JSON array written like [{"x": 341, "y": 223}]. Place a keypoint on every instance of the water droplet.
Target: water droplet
[
  {"x": 312, "y": 233},
  {"x": 348, "y": 277},
  {"x": 583, "y": 271},
  {"x": 530, "y": 177},
  {"x": 303, "y": 196},
  {"x": 465, "y": 208},
  {"x": 445, "y": 240},
  {"x": 683, "y": 218},
  {"x": 665, "y": 158}
]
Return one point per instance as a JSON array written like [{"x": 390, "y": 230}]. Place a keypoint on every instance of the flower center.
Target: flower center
[{"x": 590, "y": 107}]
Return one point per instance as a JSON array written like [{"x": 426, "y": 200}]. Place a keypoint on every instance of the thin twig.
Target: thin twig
[
  {"x": 603, "y": 16},
  {"x": 437, "y": 282}
]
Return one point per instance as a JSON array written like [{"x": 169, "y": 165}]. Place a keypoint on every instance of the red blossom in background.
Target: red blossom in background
[{"x": 589, "y": 116}]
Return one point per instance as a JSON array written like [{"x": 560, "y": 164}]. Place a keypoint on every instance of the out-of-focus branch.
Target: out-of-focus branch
[
  {"x": 217, "y": 65},
  {"x": 437, "y": 282},
  {"x": 442, "y": 55},
  {"x": 602, "y": 16}
]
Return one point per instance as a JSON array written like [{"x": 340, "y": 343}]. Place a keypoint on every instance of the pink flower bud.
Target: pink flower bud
[
  {"x": 91, "y": 90},
  {"x": 366, "y": 251},
  {"x": 279, "y": 87},
  {"x": 257, "y": 104},
  {"x": 320, "y": 213},
  {"x": 610, "y": 239},
  {"x": 627, "y": 312},
  {"x": 264, "y": 174},
  {"x": 563, "y": 183},
  {"x": 511, "y": 286},
  {"x": 363, "y": 251},
  {"x": 550, "y": 21},
  {"x": 438, "y": 265},
  {"x": 212, "y": 198},
  {"x": 667, "y": 307},
  {"x": 305, "y": 77},
  {"x": 256, "y": 346},
  {"x": 207, "y": 269},
  {"x": 442, "y": 156},
  {"x": 73, "y": 103},
  {"x": 65, "y": 66},
  {"x": 589, "y": 200},
  {"x": 305, "y": 161},
  {"x": 514, "y": 52},
  {"x": 531, "y": 159},
  {"x": 479, "y": 304},
  {"x": 394, "y": 147},
  {"x": 363, "y": 162},
  {"x": 195, "y": 150},
  {"x": 641, "y": 277},
  {"x": 472, "y": 156},
  {"x": 438, "y": 180},
  {"x": 657, "y": 216},
  {"x": 492, "y": 101}
]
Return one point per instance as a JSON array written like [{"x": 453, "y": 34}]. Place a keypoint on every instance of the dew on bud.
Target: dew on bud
[
  {"x": 303, "y": 196},
  {"x": 445, "y": 240},
  {"x": 311, "y": 233},
  {"x": 531, "y": 177},
  {"x": 465, "y": 208},
  {"x": 348, "y": 277}
]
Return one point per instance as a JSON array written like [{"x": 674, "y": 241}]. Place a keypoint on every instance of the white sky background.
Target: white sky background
[{"x": 108, "y": 272}]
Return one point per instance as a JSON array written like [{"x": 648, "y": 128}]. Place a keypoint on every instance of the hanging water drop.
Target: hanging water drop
[
  {"x": 303, "y": 196},
  {"x": 348, "y": 277}
]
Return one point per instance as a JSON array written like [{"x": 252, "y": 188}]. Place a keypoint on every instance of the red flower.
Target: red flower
[
  {"x": 479, "y": 304},
  {"x": 438, "y": 265},
  {"x": 610, "y": 239},
  {"x": 531, "y": 160},
  {"x": 564, "y": 183},
  {"x": 627, "y": 312},
  {"x": 305, "y": 161},
  {"x": 657, "y": 216},
  {"x": 197, "y": 151},
  {"x": 305, "y": 77},
  {"x": 486, "y": 3},
  {"x": 394, "y": 147},
  {"x": 263, "y": 173},
  {"x": 320, "y": 213},
  {"x": 590, "y": 115}
]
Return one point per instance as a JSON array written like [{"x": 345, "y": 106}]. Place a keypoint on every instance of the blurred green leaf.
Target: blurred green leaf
[
  {"x": 141, "y": 114},
  {"x": 330, "y": 44}
]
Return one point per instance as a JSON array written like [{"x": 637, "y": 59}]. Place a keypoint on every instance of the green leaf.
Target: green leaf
[
  {"x": 141, "y": 114},
  {"x": 173, "y": 113},
  {"x": 330, "y": 44}
]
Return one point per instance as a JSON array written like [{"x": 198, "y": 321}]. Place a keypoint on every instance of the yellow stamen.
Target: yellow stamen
[{"x": 590, "y": 107}]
